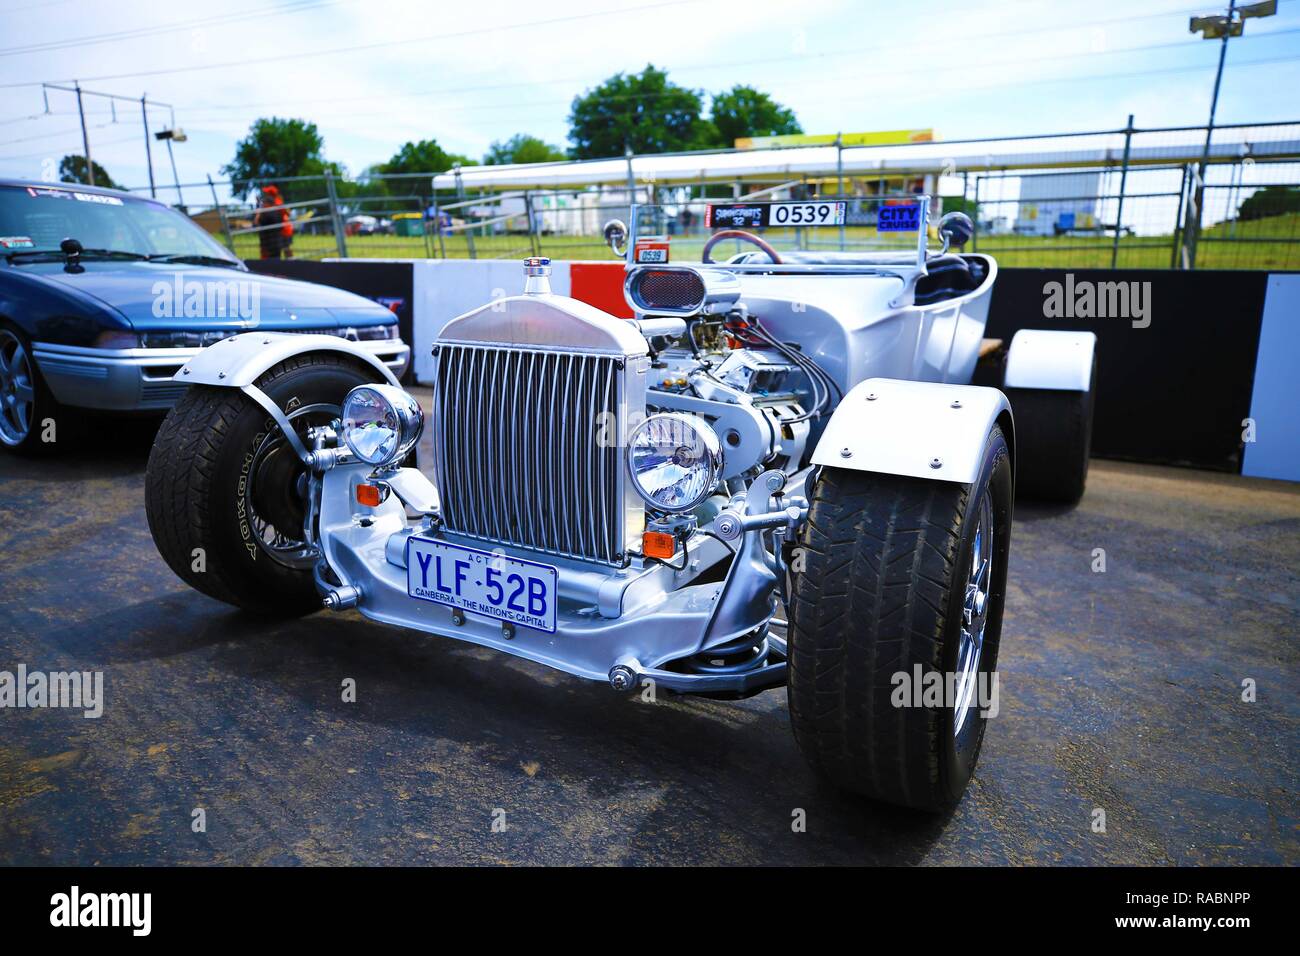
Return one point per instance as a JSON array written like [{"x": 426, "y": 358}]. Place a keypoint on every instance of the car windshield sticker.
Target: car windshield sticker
[
  {"x": 54, "y": 193},
  {"x": 902, "y": 218},
  {"x": 757, "y": 215},
  {"x": 16, "y": 242},
  {"x": 48, "y": 193},
  {"x": 96, "y": 197}
]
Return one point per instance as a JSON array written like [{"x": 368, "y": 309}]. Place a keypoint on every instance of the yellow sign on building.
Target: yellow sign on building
[{"x": 891, "y": 137}]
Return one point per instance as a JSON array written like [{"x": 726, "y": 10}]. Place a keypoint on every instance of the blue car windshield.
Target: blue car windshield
[{"x": 38, "y": 218}]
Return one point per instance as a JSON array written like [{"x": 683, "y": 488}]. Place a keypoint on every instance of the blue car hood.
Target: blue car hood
[{"x": 162, "y": 296}]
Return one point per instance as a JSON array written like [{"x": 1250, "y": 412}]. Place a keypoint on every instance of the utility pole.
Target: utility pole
[
  {"x": 85, "y": 138},
  {"x": 1220, "y": 27},
  {"x": 148, "y": 150},
  {"x": 113, "y": 98}
]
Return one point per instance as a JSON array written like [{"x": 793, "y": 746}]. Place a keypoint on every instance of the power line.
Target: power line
[
  {"x": 818, "y": 81},
  {"x": 280, "y": 58},
  {"x": 857, "y": 51},
  {"x": 138, "y": 32}
]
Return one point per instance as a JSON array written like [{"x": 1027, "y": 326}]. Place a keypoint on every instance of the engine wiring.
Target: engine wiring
[{"x": 825, "y": 389}]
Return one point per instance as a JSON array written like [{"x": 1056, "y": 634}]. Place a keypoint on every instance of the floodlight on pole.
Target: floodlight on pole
[
  {"x": 170, "y": 136},
  {"x": 1220, "y": 27}
]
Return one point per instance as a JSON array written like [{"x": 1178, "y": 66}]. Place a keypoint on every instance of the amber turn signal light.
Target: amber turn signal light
[
  {"x": 370, "y": 495},
  {"x": 658, "y": 544}
]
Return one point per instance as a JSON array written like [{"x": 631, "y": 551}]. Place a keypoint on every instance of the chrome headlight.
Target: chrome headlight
[
  {"x": 381, "y": 423},
  {"x": 675, "y": 461}
]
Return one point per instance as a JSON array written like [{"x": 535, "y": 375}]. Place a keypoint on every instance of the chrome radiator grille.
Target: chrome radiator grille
[{"x": 518, "y": 447}]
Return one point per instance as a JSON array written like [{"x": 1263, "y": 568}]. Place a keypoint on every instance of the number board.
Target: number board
[{"x": 757, "y": 215}]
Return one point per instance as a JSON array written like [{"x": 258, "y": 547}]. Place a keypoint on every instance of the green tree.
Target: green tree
[
  {"x": 425, "y": 157},
  {"x": 521, "y": 148},
  {"x": 743, "y": 111},
  {"x": 1269, "y": 201},
  {"x": 276, "y": 149},
  {"x": 642, "y": 110},
  {"x": 72, "y": 169}
]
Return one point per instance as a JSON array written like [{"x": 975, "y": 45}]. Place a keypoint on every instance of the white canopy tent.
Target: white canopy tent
[{"x": 791, "y": 163}]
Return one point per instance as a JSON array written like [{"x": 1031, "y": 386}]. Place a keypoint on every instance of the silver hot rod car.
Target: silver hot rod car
[{"x": 790, "y": 431}]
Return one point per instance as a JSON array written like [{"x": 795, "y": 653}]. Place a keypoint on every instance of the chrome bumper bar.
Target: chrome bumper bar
[
  {"x": 141, "y": 379},
  {"x": 626, "y": 626}
]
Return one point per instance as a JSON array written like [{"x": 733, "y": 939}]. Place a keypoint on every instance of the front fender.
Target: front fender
[
  {"x": 914, "y": 429},
  {"x": 241, "y": 359}
]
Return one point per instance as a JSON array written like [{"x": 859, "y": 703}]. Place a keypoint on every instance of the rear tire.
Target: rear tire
[
  {"x": 886, "y": 570},
  {"x": 1053, "y": 441},
  {"x": 224, "y": 491}
]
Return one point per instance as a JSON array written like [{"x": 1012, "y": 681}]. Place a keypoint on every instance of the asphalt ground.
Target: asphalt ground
[{"x": 1120, "y": 690}]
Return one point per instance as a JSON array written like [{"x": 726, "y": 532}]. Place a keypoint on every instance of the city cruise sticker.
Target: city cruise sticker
[{"x": 510, "y": 590}]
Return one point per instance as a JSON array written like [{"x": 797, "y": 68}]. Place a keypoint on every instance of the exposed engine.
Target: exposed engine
[{"x": 761, "y": 396}]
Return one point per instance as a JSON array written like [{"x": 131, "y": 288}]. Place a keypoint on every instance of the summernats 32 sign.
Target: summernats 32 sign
[{"x": 757, "y": 215}]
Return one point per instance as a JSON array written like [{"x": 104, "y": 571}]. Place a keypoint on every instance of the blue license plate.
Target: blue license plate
[{"x": 505, "y": 589}]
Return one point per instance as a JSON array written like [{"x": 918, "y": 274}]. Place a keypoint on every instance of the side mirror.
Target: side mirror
[
  {"x": 955, "y": 229},
  {"x": 616, "y": 237}
]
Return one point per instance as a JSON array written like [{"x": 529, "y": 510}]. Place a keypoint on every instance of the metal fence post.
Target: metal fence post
[
  {"x": 975, "y": 235},
  {"x": 437, "y": 225},
  {"x": 839, "y": 178},
  {"x": 534, "y": 240},
  {"x": 1123, "y": 180},
  {"x": 424, "y": 226},
  {"x": 221, "y": 211},
  {"x": 1178, "y": 221},
  {"x": 335, "y": 218},
  {"x": 460, "y": 197}
]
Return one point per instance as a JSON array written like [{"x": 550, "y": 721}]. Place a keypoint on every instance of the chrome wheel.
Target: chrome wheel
[
  {"x": 17, "y": 390},
  {"x": 276, "y": 488},
  {"x": 974, "y": 617}
]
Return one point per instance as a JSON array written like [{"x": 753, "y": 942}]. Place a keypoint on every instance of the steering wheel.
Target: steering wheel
[{"x": 737, "y": 234}]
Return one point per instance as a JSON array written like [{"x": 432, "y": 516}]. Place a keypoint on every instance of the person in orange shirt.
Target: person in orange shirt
[{"x": 275, "y": 243}]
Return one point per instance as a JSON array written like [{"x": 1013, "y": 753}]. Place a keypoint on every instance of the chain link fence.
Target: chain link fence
[{"x": 1127, "y": 198}]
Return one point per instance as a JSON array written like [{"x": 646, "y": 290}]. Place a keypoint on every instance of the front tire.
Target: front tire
[
  {"x": 25, "y": 401},
  {"x": 885, "y": 592},
  {"x": 225, "y": 494}
]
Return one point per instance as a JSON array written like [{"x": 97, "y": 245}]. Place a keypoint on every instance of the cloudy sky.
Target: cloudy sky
[{"x": 375, "y": 74}]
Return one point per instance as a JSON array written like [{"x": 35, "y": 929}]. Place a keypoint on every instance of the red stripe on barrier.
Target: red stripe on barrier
[{"x": 599, "y": 284}]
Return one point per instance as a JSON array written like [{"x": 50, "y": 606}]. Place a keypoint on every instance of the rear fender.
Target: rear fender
[{"x": 1049, "y": 359}]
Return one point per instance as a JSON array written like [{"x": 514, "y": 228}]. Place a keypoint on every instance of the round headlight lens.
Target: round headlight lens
[
  {"x": 675, "y": 461},
  {"x": 381, "y": 423}
]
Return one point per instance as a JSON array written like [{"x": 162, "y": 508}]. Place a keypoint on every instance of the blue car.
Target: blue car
[{"x": 105, "y": 295}]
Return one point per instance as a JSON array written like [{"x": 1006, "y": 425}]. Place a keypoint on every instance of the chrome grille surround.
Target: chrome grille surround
[{"x": 524, "y": 392}]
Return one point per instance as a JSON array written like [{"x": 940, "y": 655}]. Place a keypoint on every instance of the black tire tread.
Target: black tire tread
[
  {"x": 872, "y": 600},
  {"x": 179, "y": 494}
]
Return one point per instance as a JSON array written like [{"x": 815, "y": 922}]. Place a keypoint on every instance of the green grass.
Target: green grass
[{"x": 1270, "y": 244}]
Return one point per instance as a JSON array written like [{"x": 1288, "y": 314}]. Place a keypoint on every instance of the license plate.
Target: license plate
[
  {"x": 756, "y": 215},
  {"x": 480, "y": 582}
]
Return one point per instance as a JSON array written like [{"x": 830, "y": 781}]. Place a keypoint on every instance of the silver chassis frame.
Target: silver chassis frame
[{"x": 625, "y": 626}]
